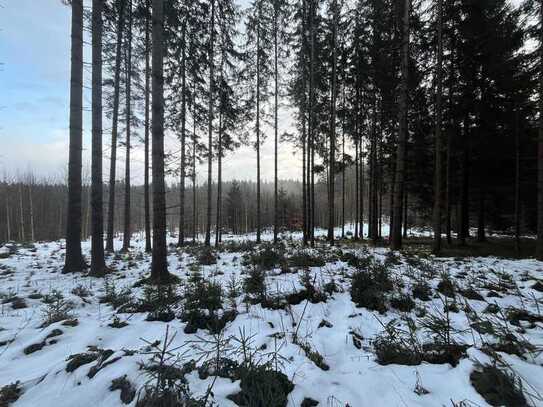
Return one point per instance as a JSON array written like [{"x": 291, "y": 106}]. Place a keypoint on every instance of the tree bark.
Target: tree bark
[
  {"x": 517, "y": 182},
  {"x": 258, "y": 204},
  {"x": 275, "y": 118},
  {"x": 159, "y": 265},
  {"x": 464, "y": 189},
  {"x": 114, "y": 129},
  {"x": 181, "y": 239},
  {"x": 539, "y": 242},
  {"x": 437, "y": 170},
  {"x": 332, "y": 158},
  {"x": 127, "y": 183},
  {"x": 147, "y": 204},
  {"x": 74, "y": 259},
  {"x": 98, "y": 264},
  {"x": 402, "y": 134},
  {"x": 219, "y": 182},
  {"x": 312, "y": 120},
  {"x": 210, "y": 124}
]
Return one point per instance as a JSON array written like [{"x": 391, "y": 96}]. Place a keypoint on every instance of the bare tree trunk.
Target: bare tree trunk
[
  {"x": 402, "y": 134},
  {"x": 344, "y": 167},
  {"x": 147, "y": 204},
  {"x": 517, "y": 183},
  {"x": 332, "y": 158},
  {"x": 481, "y": 236},
  {"x": 181, "y": 239},
  {"x": 32, "y": 231},
  {"x": 438, "y": 123},
  {"x": 219, "y": 183},
  {"x": 258, "y": 204},
  {"x": 464, "y": 189},
  {"x": 275, "y": 118},
  {"x": 357, "y": 194},
  {"x": 127, "y": 183},
  {"x": 74, "y": 258},
  {"x": 304, "y": 172},
  {"x": 114, "y": 130},
  {"x": 539, "y": 242},
  {"x": 159, "y": 266},
  {"x": 8, "y": 222},
  {"x": 194, "y": 214},
  {"x": 98, "y": 264},
  {"x": 312, "y": 120},
  {"x": 210, "y": 124}
]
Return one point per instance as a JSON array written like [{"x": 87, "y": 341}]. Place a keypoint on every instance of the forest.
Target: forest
[{"x": 401, "y": 265}]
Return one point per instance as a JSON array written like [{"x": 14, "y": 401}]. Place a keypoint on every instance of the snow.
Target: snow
[{"x": 354, "y": 378}]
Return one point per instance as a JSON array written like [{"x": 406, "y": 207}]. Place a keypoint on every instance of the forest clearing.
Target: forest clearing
[{"x": 271, "y": 203}]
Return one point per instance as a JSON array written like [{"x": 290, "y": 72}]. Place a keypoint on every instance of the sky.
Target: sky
[{"x": 34, "y": 103}]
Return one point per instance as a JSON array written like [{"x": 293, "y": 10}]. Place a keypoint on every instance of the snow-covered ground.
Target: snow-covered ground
[{"x": 336, "y": 328}]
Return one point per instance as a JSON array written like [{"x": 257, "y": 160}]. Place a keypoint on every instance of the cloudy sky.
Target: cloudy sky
[{"x": 34, "y": 103}]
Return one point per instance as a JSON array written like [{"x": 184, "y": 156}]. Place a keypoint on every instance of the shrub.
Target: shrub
[
  {"x": 498, "y": 387},
  {"x": 262, "y": 386},
  {"x": 313, "y": 355},
  {"x": 159, "y": 300},
  {"x": 402, "y": 302},
  {"x": 203, "y": 300},
  {"x": 56, "y": 309},
  {"x": 368, "y": 287},
  {"x": 114, "y": 297},
  {"x": 305, "y": 259},
  {"x": 232, "y": 246},
  {"x": 398, "y": 346},
  {"x": 81, "y": 291},
  {"x": 446, "y": 286},
  {"x": 10, "y": 393},
  {"x": 79, "y": 359},
  {"x": 34, "y": 348},
  {"x": 267, "y": 258},
  {"x": 166, "y": 385},
  {"x": 18, "y": 303},
  {"x": 422, "y": 291},
  {"x": 128, "y": 392},
  {"x": 255, "y": 282},
  {"x": 207, "y": 256},
  {"x": 358, "y": 262}
]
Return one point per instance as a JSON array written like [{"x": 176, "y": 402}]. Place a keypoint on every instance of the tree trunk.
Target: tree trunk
[
  {"x": 219, "y": 182},
  {"x": 275, "y": 118},
  {"x": 402, "y": 134},
  {"x": 464, "y": 189},
  {"x": 32, "y": 231},
  {"x": 22, "y": 217},
  {"x": 74, "y": 258},
  {"x": 159, "y": 265},
  {"x": 127, "y": 183},
  {"x": 181, "y": 239},
  {"x": 357, "y": 194},
  {"x": 517, "y": 183},
  {"x": 114, "y": 127},
  {"x": 539, "y": 242},
  {"x": 343, "y": 169},
  {"x": 312, "y": 120},
  {"x": 481, "y": 236},
  {"x": 332, "y": 158},
  {"x": 258, "y": 208},
  {"x": 147, "y": 204},
  {"x": 8, "y": 222},
  {"x": 194, "y": 214},
  {"x": 437, "y": 170},
  {"x": 98, "y": 264},
  {"x": 210, "y": 124}
]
